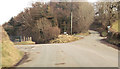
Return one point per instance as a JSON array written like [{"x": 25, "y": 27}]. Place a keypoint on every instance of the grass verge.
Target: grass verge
[
  {"x": 83, "y": 34},
  {"x": 10, "y": 55},
  {"x": 65, "y": 39},
  {"x": 24, "y": 43}
]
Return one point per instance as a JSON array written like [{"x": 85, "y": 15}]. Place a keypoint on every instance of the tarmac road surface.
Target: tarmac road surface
[{"x": 87, "y": 52}]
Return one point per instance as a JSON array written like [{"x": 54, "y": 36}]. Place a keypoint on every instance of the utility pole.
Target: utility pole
[
  {"x": 71, "y": 17},
  {"x": 71, "y": 22}
]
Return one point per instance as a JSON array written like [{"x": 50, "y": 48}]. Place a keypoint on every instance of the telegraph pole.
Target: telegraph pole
[
  {"x": 71, "y": 22},
  {"x": 71, "y": 17}
]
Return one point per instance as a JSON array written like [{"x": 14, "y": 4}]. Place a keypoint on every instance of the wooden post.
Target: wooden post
[
  {"x": 20, "y": 38},
  {"x": 30, "y": 38},
  {"x": 71, "y": 22},
  {"x": 71, "y": 17},
  {"x": 24, "y": 38}
]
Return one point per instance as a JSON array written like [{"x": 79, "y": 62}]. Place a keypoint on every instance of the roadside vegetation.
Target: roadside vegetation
[
  {"x": 114, "y": 36},
  {"x": 84, "y": 34},
  {"x": 115, "y": 26},
  {"x": 107, "y": 16},
  {"x": 24, "y": 43},
  {"x": 65, "y": 39},
  {"x": 10, "y": 55}
]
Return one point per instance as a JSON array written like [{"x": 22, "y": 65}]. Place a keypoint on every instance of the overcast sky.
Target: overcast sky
[{"x": 10, "y": 8}]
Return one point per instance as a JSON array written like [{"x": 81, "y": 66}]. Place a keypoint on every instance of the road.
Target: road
[{"x": 87, "y": 52}]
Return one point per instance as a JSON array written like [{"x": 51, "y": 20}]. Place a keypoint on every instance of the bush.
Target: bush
[
  {"x": 114, "y": 38},
  {"x": 104, "y": 34}
]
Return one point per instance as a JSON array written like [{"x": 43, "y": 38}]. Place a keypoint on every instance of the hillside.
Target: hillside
[{"x": 10, "y": 55}]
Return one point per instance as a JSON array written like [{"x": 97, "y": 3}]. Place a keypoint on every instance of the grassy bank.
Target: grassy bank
[
  {"x": 10, "y": 55},
  {"x": 114, "y": 36},
  {"x": 115, "y": 26}
]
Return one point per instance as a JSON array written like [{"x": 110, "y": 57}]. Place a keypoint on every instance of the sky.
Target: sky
[{"x": 10, "y": 8}]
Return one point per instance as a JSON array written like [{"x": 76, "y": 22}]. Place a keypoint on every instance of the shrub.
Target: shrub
[{"x": 104, "y": 34}]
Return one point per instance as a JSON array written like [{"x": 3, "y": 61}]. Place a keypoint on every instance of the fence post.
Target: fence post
[
  {"x": 30, "y": 38},
  {"x": 24, "y": 38},
  {"x": 20, "y": 38}
]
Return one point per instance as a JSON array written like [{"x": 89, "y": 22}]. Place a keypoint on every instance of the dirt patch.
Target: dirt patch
[{"x": 59, "y": 63}]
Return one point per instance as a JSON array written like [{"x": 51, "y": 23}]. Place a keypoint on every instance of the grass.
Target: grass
[
  {"x": 113, "y": 41},
  {"x": 116, "y": 26},
  {"x": 84, "y": 34},
  {"x": 104, "y": 34},
  {"x": 10, "y": 55},
  {"x": 68, "y": 38},
  {"x": 64, "y": 39},
  {"x": 24, "y": 43}
]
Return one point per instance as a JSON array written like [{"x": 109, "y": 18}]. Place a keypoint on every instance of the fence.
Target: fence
[{"x": 20, "y": 38}]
